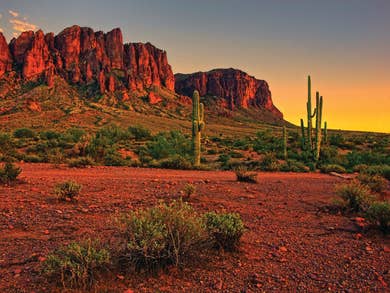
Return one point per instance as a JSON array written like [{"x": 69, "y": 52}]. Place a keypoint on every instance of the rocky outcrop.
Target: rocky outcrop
[
  {"x": 235, "y": 87},
  {"x": 147, "y": 66},
  {"x": 82, "y": 56},
  {"x": 5, "y": 56}
]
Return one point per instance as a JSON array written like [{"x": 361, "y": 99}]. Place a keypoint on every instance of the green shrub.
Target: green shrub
[
  {"x": 81, "y": 162},
  {"x": 24, "y": 133},
  {"x": 68, "y": 190},
  {"x": 113, "y": 158},
  {"x": 354, "y": 196},
  {"x": 333, "y": 168},
  {"x": 224, "y": 229},
  {"x": 162, "y": 235},
  {"x": 294, "y": 166},
  {"x": 375, "y": 182},
  {"x": 189, "y": 190},
  {"x": 9, "y": 173},
  {"x": 175, "y": 162},
  {"x": 379, "y": 214},
  {"x": 383, "y": 170},
  {"x": 139, "y": 132},
  {"x": 169, "y": 144},
  {"x": 243, "y": 175},
  {"x": 77, "y": 265},
  {"x": 269, "y": 162}
]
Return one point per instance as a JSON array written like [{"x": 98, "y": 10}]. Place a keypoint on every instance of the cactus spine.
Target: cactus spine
[
  {"x": 198, "y": 126},
  {"x": 284, "y": 143},
  {"x": 314, "y": 146}
]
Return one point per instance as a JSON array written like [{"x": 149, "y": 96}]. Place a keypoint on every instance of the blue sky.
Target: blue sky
[{"x": 343, "y": 44}]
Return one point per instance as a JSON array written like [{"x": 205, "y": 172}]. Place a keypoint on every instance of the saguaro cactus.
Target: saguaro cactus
[
  {"x": 318, "y": 126},
  {"x": 198, "y": 126},
  {"x": 284, "y": 143},
  {"x": 314, "y": 146},
  {"x": 325, "y": 132}
]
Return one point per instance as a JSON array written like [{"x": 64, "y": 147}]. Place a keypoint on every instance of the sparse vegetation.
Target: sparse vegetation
[
  {"x": 9, "y": 173},
  {"x": 81, "y": 162},
  {"x": 162, "y": 235},
  {"x": 379, "y": 214},
  {"x": 333, "y": 168},
  {"x": 245, "y": 176},
  {"x": 375, "y": 182},
  {"x": 224, "y": 229},
  {"x": 68, "y": 190},
  {"x": 189, "y": 190},
  {"x": 354, "y": 196},
  {"x": 77, "y": 265}
]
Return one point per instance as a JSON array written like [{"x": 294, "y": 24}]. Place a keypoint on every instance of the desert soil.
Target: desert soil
[{"x": 292, "y": 241}]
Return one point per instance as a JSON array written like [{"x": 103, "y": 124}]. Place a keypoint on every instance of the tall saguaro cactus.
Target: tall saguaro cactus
[
  {"x": 308, "y": 143},
  {"x": 198, "y": 126},
  {"x": 284, "y": 143}
]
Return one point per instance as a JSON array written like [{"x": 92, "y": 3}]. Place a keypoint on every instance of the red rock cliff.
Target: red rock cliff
[
  {"x": 83, "y": 56},
  {"x": 5, "y": 56},
  {"x": 235, "y": 87}
]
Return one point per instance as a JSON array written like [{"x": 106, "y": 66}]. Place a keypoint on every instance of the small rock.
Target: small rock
[
  {"x": 282, "y": 249},
  {"x": 46, "y": 232}
]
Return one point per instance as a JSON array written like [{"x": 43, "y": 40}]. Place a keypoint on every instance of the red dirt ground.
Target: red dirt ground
[{"x": 291, "y": 243}]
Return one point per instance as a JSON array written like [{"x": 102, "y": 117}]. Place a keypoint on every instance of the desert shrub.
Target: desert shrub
[
  {"x": 9, "y": 173},
  {"x": 33, "y": 159},
  {"x": 337, "y": 140},
  {"x": 236, "y": 155},
  {"x": 68, "y": 190},
  {"x": 49, "y": 135},
  {"x": 367, "y": 157},
  {"x": 81, "y": 162},
  {"x": 243, "y": 175},
  {"x": 379, "y": 214},
  {"x": 168, "y": 144},
  {"x": 24, "y": 133},
  {"x": 77, "y": 265},
  {"x": 333, "y": 168},
  {"x": 294, "y": 166},
  {"x": 6, "y": 144},
  {"x": 354, "y": 196},
  {"x": 113, "y": 158},
  {"x": 375, "y": 182},
  {"x": 113, "y": 134},
  {"x": 267, "y": 142},
  {"x": 75, "y": 134},
  {"x": 139, "y": 132},
  {"x": 175, "y": 162},
  {"x": 270, "y": 162},
  {"x": 162, "y": 235},
  {"x": 383, "y": 170},
  {"x": 224, "y": 229},
  {"x": 360, "y": 168},
  {"x": 188, "y": 190},
  {"x": 328, "y": 155}
]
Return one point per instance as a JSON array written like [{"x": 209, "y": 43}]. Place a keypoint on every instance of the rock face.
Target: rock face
[
  {"x": 82, "y": 56},
  {"x": 5, "y": 56},
  {"x": 236, "y": 88}
]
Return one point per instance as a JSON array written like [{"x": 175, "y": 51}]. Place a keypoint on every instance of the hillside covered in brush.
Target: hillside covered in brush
[{"x": 68, "y": 78}]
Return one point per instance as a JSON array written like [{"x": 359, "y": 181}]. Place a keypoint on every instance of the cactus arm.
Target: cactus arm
[{"x": 303, "y": 142}]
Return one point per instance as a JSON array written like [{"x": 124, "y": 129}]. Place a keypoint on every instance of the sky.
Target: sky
[{"x": 343, "y": 44}]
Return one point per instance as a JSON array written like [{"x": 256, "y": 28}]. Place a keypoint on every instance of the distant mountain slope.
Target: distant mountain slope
[{"x": 80, "y": 71}]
